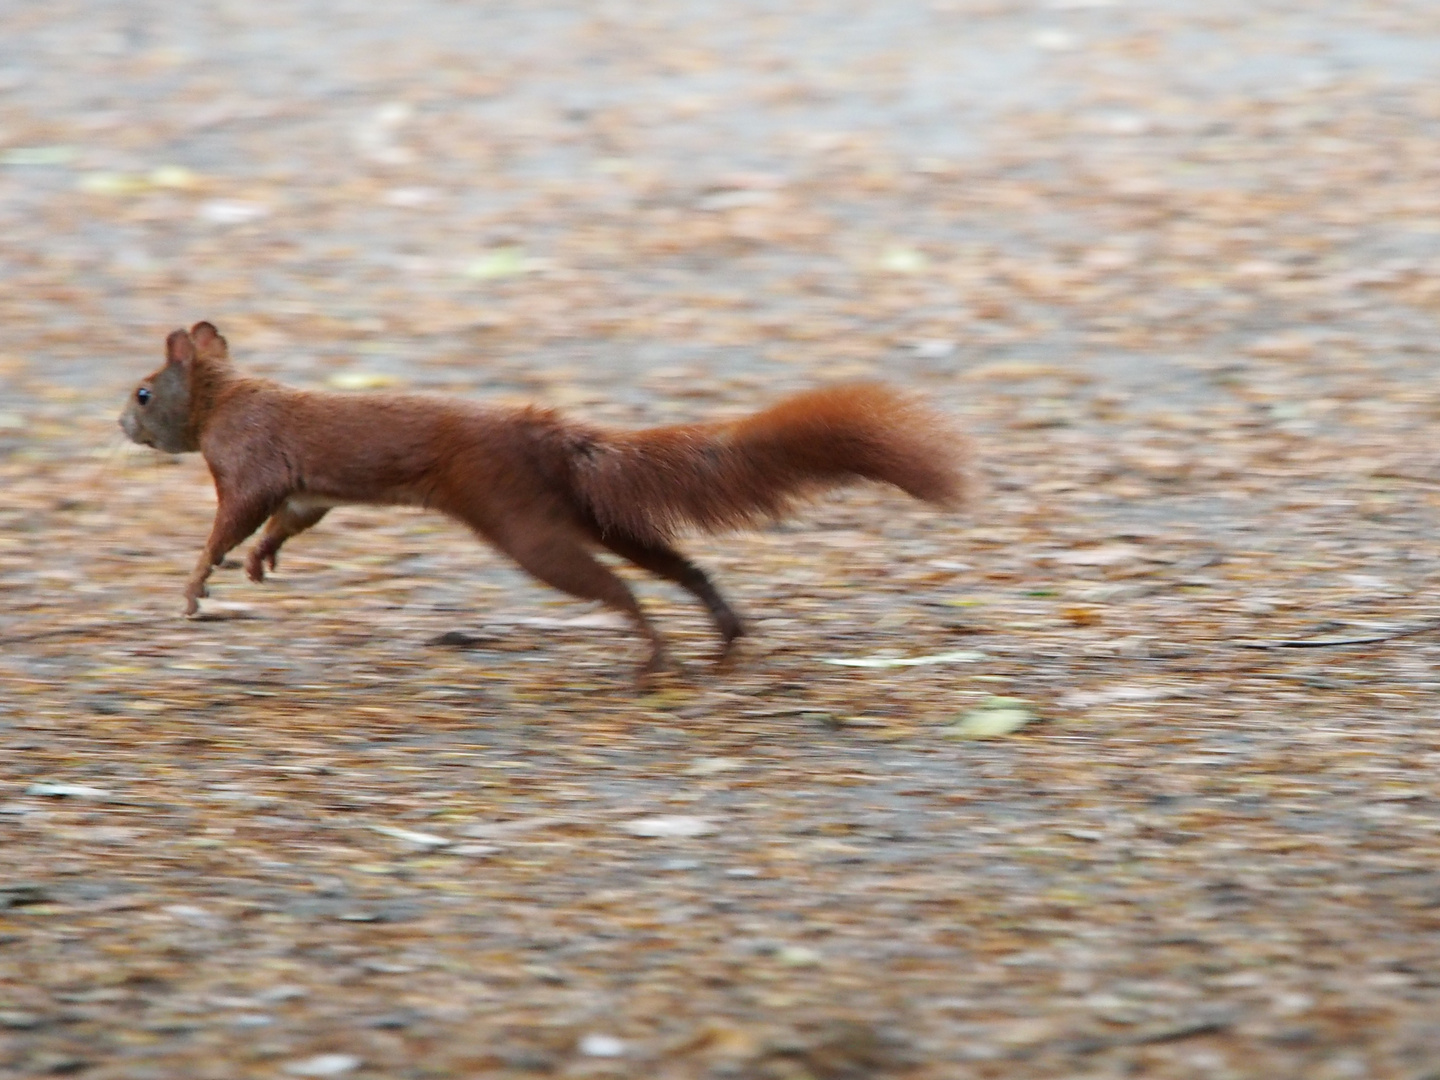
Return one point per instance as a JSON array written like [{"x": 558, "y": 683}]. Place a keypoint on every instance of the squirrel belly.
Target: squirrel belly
[{"x": 546, "y": 491}]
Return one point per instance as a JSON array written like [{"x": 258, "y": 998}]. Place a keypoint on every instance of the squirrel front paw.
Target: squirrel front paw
[{"x": 193, "y": 594}]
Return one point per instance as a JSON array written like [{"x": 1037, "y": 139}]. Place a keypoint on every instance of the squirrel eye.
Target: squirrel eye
[{"x": 143, "y": 395}]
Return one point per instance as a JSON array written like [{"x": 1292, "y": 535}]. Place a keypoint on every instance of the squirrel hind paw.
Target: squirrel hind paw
[
  {"x": 659, "y": 668},
  {"x": 255, "y": 567}
]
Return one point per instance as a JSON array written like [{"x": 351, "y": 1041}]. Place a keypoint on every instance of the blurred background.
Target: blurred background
[{"x": 613, "y": 200}]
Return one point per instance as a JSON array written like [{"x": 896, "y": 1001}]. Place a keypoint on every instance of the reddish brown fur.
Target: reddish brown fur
[
  {"x": 716, "y": 476},
  {"x": 545, "y": 490}
]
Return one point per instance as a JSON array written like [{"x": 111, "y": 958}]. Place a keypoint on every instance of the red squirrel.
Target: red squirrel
[{"x": 545, "y": 490}]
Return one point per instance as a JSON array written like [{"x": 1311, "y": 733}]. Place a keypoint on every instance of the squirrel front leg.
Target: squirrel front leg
[{"x": 235, "y": 518}]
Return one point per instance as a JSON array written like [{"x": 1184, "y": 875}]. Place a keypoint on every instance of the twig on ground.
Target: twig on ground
[{"x": 1322, "y": 643}]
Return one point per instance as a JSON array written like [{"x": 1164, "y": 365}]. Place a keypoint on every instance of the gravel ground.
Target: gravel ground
[{"x": 1175, "y": 266}]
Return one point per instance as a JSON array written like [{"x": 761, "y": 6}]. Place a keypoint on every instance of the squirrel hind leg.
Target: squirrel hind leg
[
  {"x": 665, "y": 562},
  {"x": 557, "y": 554},
  {"x": 290, "y": 520}
]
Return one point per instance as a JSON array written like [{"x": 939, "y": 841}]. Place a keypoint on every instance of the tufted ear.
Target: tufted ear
[
  {"x": 208, "y": 341},
  {"x": 179, "y": 349}
]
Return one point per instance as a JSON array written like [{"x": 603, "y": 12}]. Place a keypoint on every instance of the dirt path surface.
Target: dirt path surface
[{"x": 1176, "y": 266}]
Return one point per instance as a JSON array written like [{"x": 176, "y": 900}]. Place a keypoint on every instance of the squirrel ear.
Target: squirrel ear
[
  {"x": 179, "y": 349},
  {"x": 208, "y": 340}
]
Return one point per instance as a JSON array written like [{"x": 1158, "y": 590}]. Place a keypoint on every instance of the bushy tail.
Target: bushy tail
[{"x": 648, "y": 484}]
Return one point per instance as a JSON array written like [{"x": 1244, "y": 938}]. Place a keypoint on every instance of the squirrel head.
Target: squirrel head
[{"x": 167, "y": 408}]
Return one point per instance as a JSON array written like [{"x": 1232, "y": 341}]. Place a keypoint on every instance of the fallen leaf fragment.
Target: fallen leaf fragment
[
  {"x": 957, "y": 656},
  {"x": 473, "y": 851},
  {"x": 323, "y": 1065},
  {"x": 500, "y": 263},
  {"x": 994, "y": 718},
  {"x": 509, "y": 830},
  {"x": 903, "y": 260},
  {"x": 602, "y": 1046},
  {"x": 73, "y": 791},
  {"x": 194, "y": 915},
  {"x": 709, "y": 766},
  {"x": 669, "y": 826},
  {"x": 38, "y": 155},
  {"x": 419, "y": 839},
  {"x": 110, "y": 183},
  {"x": 797, "y": 956},
  {"x": 1104, "y": 555},
  {"x": 232, "y": 211}
]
